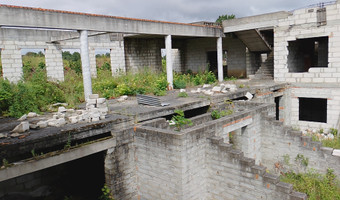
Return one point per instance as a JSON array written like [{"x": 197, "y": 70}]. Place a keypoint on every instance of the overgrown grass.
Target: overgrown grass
[
  {"x": 315, "y": 185},
  {"x": 335, "y": 143},
  {"x": 34, "y": 93}
]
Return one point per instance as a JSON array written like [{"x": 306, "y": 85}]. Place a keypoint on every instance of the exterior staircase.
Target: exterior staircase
[{"x": 266, "y": 70}]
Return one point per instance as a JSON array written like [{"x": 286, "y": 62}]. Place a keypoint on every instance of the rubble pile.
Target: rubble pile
[
  {"x": 207, "y": 89},
  {"x": 96, "y": 109}
]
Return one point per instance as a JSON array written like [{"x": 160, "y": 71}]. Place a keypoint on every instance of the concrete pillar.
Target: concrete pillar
[
  {"x": 54, "y": 63},
  {"x": 93, "y": 63},
  {"x": 85, "y": 63},
  {"x": 11, "y": 63},
  {"x": 219, "y": 59},
  {"x": 168, "y": 47},
  {"x": 117, "y": 56}
]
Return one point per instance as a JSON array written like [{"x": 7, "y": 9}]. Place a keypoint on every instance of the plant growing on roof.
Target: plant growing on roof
[{"x": 179, "y": 120}]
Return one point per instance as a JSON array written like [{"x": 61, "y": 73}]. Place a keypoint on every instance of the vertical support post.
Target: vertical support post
[
  {"x": 168, "y": 47},
  {"x": 219, "y": 59},
  {"x": 85, "y": 63}
]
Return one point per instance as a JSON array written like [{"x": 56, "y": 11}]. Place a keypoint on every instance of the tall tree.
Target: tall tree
[{"x": 224, "y": 17}]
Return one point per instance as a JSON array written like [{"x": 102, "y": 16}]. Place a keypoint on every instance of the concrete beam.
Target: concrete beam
[
  {"x": 73, "y": 35},
  {"x": 254, "y": 22},
  {"x": 54, "y": 19},
  {"x": 23, "y": 168}
]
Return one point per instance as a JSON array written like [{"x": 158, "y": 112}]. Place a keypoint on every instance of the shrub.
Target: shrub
[
  {"x": 180, "y": 120},
  {"x": 6, "y": 95},
  {"x": 315, "y": 185},
  {"x": 179, "y": 84}
]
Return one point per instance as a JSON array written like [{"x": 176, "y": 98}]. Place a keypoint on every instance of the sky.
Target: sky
[{"x": 185, "y": 11}]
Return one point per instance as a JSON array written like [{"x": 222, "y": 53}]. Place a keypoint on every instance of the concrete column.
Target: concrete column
[
  {"x": 54, "y": 63},
  {"x": 85, "y": 63},
  {"x": 11, "y": 63},
  {"x": 168, "y": 47},
  {"x": 93, "y": 64},
  {"x": 219, "y": 59}
]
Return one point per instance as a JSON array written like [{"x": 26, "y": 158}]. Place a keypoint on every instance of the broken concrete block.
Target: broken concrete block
[
  {"x": 101, "y": 100},
  {"x": 42, "y": 124},
  {"x": 32, "y": 114},
  {"x": 70, "y": 110},
  {"x": 232, "y": 89},
  {"x": 16, "y": 135},
  {"x": 95, "y": 119},
  {"x": 193, "y": 91},
  {"x": 224, "y": 91},
  {"x": 91, "y": 102},
  {"x": 216, "y": 89},
  {"x": 102, "y": 105},
  {"x": 336, "y": 152},
  {"x": 61, "y": 122},
  {"x": 61, "y": 109},
  {"x": 93, "y": 96},
  {"x": 52, "y": 122},
  {"x": 199, "y": 90},
  {"x": 103, "y": 110},
  {"x": 73, "y": 119},
  {"x": 55, "y": 116},
  {"x": 22, "y": 127},
  {"x": 249, "y": 96},
  {"x": 206, "y": 86},
  {"x": 22, "y": 118},
  {"x": 89, "y": 106},
  {"x": 122, "y": 98},
  {"x": 2, "y": 135},
  {"x": 34, "y": 126},
  {"x": 182, "y": 90},
  {"x": 102, "y": 117},
  {"x": 61, "y": 115}
]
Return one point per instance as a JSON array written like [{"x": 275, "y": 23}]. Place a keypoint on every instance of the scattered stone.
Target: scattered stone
[
  {"x": 93, "y": 96},
  {"x": 122, "y": 98},
  {"x": 216, "y": 89},
  {"x": 61, "y": 109},
  {"x": 171, "y": 123},
  {"x": 182, "y": 90},
  {"x": 73, "y": 119},
  {"x": 336, "y": 152},
  {"x": 3, "y": 135},
  {"x": 249, "y": 96},
  {"x": 233, "y": 89},
  {"x": 22, "y": 127},
  {"x": 70, "y": 110},
  {"x": 193, "y": 91},
  {"x": 42, "y": 124},
  {"x": 32, "y": 114},
  {"x": 102, "y": 117},
  {"x": 101, "y": 100},
  {"x": 34, "y": 126},
  {"x": 206, "y": 86},
  {"x": 23, "y": 118},
  {"x": 13, "y": 135},
  {"x": 60, "y": 104},
  {"x": 199, "y": 90},
  {"x": 224, "y": 91},
  {"x": 95, "y": 119},
  {"x": 55, "y": 116}
]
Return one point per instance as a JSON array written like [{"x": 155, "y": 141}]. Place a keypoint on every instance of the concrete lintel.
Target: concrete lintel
[
  {"x": 23, "y": 168},
  {"x": 237, "y": 125},
  {"x": 50, "y": 19},
  {"x": 254, "y": 22}
]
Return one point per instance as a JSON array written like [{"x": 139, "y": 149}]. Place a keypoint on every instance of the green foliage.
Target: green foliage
[
  {"x": 180, "y": 120},
  {"x": 315, "y": 185},
  {"x": 334, "y": 131},
  {"x": 335, "y": 143},
  {"x": 179, "y": 84},
  {"x": 5, "y": 163},
  {"x": 286, "y": 159},
  {"x": 72, "y": 61},
  {"x": 232, "y": 78},
  {"x": 302, "y": 160},
  {"x": 224, "y": 17},
  {"x": 204, "y": 78},
  {"x": 241, "y": 86},
  {"x": 106, "y": 194},
  {"x": 6, "y": 94},
  {"x": 182, "y": 94},
  {"x": 216, "y": 114},
  {"x": 68, "y": 143}
]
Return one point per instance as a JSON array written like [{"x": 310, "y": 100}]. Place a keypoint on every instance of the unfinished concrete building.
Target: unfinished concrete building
[{"x": 291, "y": 57}]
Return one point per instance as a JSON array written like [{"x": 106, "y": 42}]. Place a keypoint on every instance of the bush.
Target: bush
[
  {"x": 179, "y": 84},
  {"x": 6, "y": 95},
  {"x": 315, "y": 185}
]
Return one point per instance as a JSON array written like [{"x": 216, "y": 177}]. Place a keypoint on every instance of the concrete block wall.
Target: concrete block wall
[
  {"x": 143, "y": 53},
  {"x": 279, "y": 141},
  {"x": 120, "y": 167},
  {"x": 302, "y": 24},
  {"x": 196, "y": 54},
  {"x": 54, "y": 63},
  {"x": 12, "y": 41},
  {"x": 11, "y": 61},
  {"x": 332, "y": 94},
  {"x": 234, "y": 176}
]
